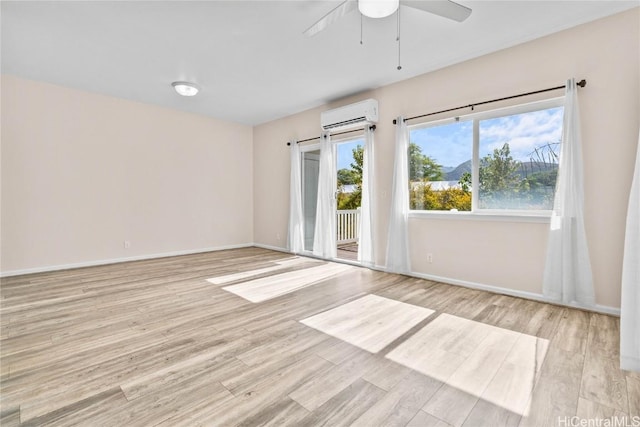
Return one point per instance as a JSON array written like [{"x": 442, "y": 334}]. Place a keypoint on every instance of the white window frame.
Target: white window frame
[{"x": 509, "y": 215}]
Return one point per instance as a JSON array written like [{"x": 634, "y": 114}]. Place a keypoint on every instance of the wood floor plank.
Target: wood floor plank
[
  {"x": 257, "y": 403},
  {"x": 85, "y": 411},
  {"x": 603, "y": 382},
  {"x": 386, "y": 374},
  {"x": 486, "y": 413},
  {"x": 337, "y": 351},
  {"x": 544, "y": 321},
  {"x": 180, "y": 401},
  {"x": 588, "y": 409},
  {"x": 158, "y": 380},
  {"x": 281, "y": 377},
  {"x": 633, "y": 391},
  {"x": 289, "y": 345},
  {"x": 573, "y": 331},
  {"x": 320, "y": 389},
  {"x": 346, "y": 407},
  {"x": 556, "y": 392},
  {"x": 284, "y": 412},
  {"x": 401, "y": 403},
  {"x": 604, "y": 336},
  {"x": 422, "y": 419},
  {"x": 10, "y": 417}
]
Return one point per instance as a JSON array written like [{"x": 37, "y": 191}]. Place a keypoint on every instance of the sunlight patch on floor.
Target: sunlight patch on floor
[
  {"x": 281, "y": 265},
  {"x": 371, "y": 322},
  {"x": 494, "y": 364},
  {"x": 266, "y": 288}
]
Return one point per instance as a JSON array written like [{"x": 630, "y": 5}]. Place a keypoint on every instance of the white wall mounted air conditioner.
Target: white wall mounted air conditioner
[{"x": 350, "y": 116}]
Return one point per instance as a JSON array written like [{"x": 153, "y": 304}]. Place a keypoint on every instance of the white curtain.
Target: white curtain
[
  {"x": 324, "y": 242},
  {"x": 296, "y": 221},
  {"x": 630, "y": 307},
  {"x": 567, "y": 273},
  {"x": 366, "y": 253},
  {"x": 398, "y": 240}
]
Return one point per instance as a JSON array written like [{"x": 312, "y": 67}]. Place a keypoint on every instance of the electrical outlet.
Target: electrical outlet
[
  {"x": 278, "y": 237},
  {"x": 430, "y": 258},
  {"x": 127, "y": 244}
]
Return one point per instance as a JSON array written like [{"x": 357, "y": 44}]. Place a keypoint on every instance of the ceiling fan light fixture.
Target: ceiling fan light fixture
[
  {"x": 185, "y": 88},
  {"x": 378, "y": 8}
]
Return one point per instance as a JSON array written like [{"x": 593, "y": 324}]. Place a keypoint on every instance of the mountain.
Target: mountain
[{"x": 458, "y": 171}]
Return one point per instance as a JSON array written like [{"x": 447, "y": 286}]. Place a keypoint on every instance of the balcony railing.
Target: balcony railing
[{"x": 348, "y": 225}]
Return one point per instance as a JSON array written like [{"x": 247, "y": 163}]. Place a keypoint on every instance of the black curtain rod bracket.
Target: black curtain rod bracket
[
  {"x": 372, "y": 127},
  {"x": 581, "y": 83}
]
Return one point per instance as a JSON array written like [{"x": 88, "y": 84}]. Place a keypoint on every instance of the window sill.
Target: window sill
[{"x": 483, "y": 216}]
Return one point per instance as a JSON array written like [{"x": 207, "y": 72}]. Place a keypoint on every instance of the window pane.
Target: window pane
[
  {"x": 350, "y": 158},
  {"x": 519, "y": 160},
  {"x": 440, "y": 167},
  {"x": 310, "y": 173}
]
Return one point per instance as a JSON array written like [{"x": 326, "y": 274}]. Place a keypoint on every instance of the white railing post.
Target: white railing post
[{"x": 348, "y": 225}]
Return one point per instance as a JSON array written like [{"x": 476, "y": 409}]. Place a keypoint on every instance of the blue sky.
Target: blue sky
[
  {"x": 451, "y": 144},
  {"x": 345, "y": 153}
]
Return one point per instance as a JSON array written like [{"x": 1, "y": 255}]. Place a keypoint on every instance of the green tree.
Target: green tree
[
  {"x": 352, "y": 200},
  {"x": 499, "y": 177},
  {"x": 422, "y": 167},
  {"x": 358, "y": 163},
  {"x": 499, "y": 171},
  {"x": 348, "y": 201},
  {"x": 465, "y": 181},
  {"x": 346, "y": 177}
]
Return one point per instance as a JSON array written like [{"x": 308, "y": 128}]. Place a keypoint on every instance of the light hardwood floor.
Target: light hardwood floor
[{"x": 203, "y": 340}]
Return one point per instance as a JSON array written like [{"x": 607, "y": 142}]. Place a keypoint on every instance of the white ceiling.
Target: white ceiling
[{"x": 249, "y": 57}]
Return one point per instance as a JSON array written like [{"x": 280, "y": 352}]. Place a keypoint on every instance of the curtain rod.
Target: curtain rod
[
  {"x": 581, "y": 83},
  {"x": 372, "y": 127}
]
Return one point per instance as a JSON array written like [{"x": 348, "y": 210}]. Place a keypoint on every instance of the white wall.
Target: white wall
[
  {"x": 83, "y": 172},
  {"x": 509, "y": 255}
]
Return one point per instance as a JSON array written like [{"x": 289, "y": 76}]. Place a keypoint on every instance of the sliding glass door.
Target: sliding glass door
[
  {"x": 310, "y": 170},
  {"x": 346, "y": 196},
  {"x": 349, "y": 197}
]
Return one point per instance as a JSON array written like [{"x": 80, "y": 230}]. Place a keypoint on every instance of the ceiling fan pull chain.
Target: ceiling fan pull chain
[
  {"x": 360, "y": 29},
  {"x": 398, "y": 40}
]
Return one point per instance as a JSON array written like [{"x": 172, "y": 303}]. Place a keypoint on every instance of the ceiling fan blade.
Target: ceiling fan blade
[
  {"x": 444, "y": 8},
  {"x": 331, "y": 17}
]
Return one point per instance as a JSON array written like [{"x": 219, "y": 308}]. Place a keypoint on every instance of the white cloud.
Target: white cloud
[{"x": 523, "y": 132}]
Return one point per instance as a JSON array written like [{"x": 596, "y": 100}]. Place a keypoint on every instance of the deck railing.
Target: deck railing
[{"x": 348, "y": 225}]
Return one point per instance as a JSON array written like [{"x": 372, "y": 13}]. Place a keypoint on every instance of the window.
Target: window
[{"x": 502, "y": 160}]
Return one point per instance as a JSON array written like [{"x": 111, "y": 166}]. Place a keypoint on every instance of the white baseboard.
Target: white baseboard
[
  {"x": 271, "y": 248},
  {"x": 117, "y": 260},
  {"x": 515, "y": 293}
]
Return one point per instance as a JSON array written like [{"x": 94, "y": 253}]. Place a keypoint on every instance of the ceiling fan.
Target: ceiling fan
[{"x": 384, "y": 8}]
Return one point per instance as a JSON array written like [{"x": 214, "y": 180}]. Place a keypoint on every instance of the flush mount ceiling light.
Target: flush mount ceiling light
[
  {"x": 378, "y": 8},
  {"x": 185, "y": 88}
]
